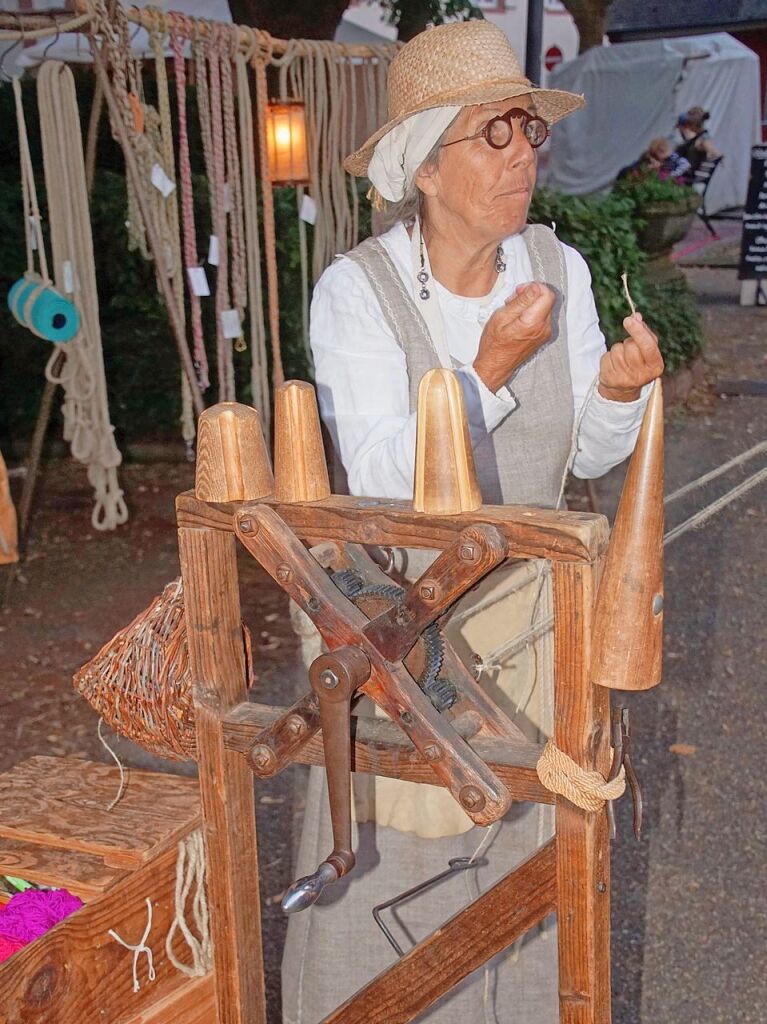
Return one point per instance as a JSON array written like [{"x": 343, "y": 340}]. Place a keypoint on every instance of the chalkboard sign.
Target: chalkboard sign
[{"x": 753, "y": 248}]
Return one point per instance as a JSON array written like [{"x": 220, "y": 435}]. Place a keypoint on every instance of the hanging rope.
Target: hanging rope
[
  {"x": 81, "y": 373},
  {"x": 190, "y": 871},
  {"x": 259, "y": 378},
  {"x": 191, "y": 258}
]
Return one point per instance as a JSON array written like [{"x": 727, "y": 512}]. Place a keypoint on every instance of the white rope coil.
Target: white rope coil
[
  {"x": 190, "y": 870},
  {"x": 139, "y": 948}
]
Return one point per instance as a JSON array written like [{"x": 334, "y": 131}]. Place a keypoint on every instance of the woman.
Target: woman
[
  {"x": 458, "y": 281},
  {"x": 696, "y": 146}
]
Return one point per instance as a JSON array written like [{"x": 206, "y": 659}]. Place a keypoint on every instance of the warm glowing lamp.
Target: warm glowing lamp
[{"x": 286, "y": 143}]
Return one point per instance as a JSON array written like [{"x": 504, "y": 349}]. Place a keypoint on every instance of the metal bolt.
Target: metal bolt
[
  {"x": 284, "y": 572},
  {"x": 471, "y": 798},
  {"x": 295, "y": 725},
  {"x": 313, "y": 604},
  {"x": 329, "y": 679},
  {"x": 601, "y": 887},
  {"x": 432, "y": 752},
  {"x": 403, "y": 616},
  {"x": 261, "y": 756},
  {"x": 427, "y": 593},
  {"x": 246, "y": 525},
  {"x": 468, "y": 552},
  {"x": 657, "y": 604},
  {"x": 406, "y": 717}
]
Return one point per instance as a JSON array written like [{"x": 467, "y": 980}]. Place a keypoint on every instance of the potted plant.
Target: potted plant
[{"x": 663, "y": 213}]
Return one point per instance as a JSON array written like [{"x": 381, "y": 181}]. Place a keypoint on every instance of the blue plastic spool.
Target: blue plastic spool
[{"x": 50, "y": 315}]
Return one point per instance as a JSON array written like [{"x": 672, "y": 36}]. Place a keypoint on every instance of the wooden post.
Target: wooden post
[
  {"x": 301, "y": 472},
  {"x": 445, "y": 478},
  {"x": 231, "y": 463},
  {"x": 232, "y": 459},
  {"x": 582, "y": 730},
  {"x": 628, "y": 624}
]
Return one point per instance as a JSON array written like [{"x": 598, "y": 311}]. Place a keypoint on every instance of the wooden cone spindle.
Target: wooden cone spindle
[
  {"x": 232, "y": 459},
  {"x": 627, "y": 641},
  {"x": 301, "y": 472},
  {"x": 445, "y": 477}
]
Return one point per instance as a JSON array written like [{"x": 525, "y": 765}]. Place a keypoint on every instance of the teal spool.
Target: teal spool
[{"x": 49, "y": 315}]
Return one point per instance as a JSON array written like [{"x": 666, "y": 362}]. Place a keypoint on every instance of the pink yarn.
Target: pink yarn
[
  {"x": 30, "y": 914},
  {"x": 8, "y": 947}
]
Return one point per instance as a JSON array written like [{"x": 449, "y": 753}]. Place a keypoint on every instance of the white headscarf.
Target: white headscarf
[{"x": 401, "y": 151}]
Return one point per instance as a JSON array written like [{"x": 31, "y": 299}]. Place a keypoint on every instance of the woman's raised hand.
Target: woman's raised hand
[
  {"x": 630, "y": 364},
  {"x": 513, "y": 333}
]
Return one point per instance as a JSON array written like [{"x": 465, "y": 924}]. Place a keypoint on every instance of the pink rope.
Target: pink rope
[
  {"x": 187, "y": 207},
  {"x": 225, "y": 372}
]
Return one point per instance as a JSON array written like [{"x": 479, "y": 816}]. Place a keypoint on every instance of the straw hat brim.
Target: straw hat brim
[{"x": 551, "y": 104}]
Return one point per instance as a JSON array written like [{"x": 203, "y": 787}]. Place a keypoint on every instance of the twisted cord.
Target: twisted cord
[{"x": 587, "y": 789}]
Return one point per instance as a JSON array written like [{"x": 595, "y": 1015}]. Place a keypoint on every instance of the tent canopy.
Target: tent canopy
[{"x": 635, "y": 92}]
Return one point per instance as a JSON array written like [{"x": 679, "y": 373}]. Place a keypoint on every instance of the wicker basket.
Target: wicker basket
[{"x": 140, "y": 682}]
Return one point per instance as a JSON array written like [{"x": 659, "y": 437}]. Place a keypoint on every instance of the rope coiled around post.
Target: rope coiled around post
[{"x": 585, "y": 788}]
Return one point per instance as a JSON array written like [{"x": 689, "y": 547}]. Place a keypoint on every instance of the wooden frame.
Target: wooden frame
[{"x": 571, "y": 874}]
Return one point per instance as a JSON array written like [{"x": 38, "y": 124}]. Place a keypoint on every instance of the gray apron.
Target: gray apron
[{"x": 335, "y": 948}]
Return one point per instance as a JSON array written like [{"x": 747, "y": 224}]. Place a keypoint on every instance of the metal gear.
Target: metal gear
[{"x": 424, "y": 661}]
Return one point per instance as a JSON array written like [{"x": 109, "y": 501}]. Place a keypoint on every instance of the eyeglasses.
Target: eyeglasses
[{"x": 498, "y": 132}]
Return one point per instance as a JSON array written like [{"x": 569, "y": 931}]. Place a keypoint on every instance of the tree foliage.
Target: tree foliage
[
  {"x": 590, "y": 17},
  {"x": 412, "y": 16}
]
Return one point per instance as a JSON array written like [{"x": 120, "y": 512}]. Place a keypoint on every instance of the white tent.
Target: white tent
[{"x": 635, "y": 92}]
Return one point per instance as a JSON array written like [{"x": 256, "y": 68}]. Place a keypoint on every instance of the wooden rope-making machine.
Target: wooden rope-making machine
[{"x": 439, "y": 726}]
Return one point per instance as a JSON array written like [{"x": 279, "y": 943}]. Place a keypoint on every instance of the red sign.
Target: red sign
[{"x": 552, "y": 58}]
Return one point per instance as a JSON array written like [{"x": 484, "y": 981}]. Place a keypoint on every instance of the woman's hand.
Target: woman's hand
[
  {"x": 630, "y": 364},
  {"x": 513, "y": 333}
]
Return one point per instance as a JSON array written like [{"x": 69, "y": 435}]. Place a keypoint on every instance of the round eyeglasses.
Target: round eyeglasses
[{"x": 498, "y": 132}]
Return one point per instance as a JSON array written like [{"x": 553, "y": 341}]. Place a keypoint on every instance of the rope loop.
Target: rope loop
[{"x": 587, "y": 789}]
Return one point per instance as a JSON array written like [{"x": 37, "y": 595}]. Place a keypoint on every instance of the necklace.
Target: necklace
[{"x": 429, "y": 306}]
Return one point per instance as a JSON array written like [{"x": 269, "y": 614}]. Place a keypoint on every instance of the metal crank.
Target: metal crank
[{"x": 368, "y": 656}]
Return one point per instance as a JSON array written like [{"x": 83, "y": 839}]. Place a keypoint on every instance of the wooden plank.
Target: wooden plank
[
  {"x": 77, "y": 972},
  {"x": 65, "y": 805},
  {"x": 193, "y": 1003},
  {"x": 381, "y": 748},
  {"x": 531, "y": 532},
  {"x": 582, "y": 730},
  {"x": 83, "y": 874},
  {"x": 488, "y": 925},
  {"x": 212, "y": 602}
]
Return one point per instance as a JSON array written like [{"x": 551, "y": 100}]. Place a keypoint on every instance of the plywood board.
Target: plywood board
[{"x": 62, "y": 802}]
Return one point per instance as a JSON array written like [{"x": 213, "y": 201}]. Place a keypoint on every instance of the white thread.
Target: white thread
[
  {"x": 140, "y": 948},
  {"x": 121, "y": 787},
  {"x": 574, "y": 438}
]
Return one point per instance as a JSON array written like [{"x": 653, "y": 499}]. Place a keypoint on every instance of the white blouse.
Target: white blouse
[{"x": 362, "y": 381}]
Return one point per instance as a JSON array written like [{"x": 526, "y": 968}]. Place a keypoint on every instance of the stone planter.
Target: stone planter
[{"x": 665, "y": 225}]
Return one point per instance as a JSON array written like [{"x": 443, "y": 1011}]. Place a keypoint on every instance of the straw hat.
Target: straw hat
[{"x": 462, "y": 64}]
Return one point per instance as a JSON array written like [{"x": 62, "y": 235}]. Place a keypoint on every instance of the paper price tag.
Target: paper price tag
[
  {"x": 308, "y": 211},
  {"x": 69, "y": 278},
  {"x": 227, "y": 198},
  {"x": 161, "y": 181},
  {"x": 198, "y": 281},
  {"x": 230, "y": 324},
  {"x": 213, "y": 250},
  {"x": 32, "y": 233}
]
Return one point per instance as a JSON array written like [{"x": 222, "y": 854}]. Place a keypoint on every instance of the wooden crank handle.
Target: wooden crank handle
[
  {"x": 335, "y": 678},
  {"x": 475, "y": 551}
]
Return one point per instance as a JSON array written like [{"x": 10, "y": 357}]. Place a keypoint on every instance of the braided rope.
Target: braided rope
[{"x": 587, "y": 789}]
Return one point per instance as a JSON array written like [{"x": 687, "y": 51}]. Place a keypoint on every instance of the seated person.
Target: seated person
[
  {"x": 660, "y": 159},
  {"x": 696, "y": 145}
]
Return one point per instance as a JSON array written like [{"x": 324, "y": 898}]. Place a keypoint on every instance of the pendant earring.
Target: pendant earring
[
  {"x": 500, "y": 263},
  {"x": 422, "y": 276}
]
